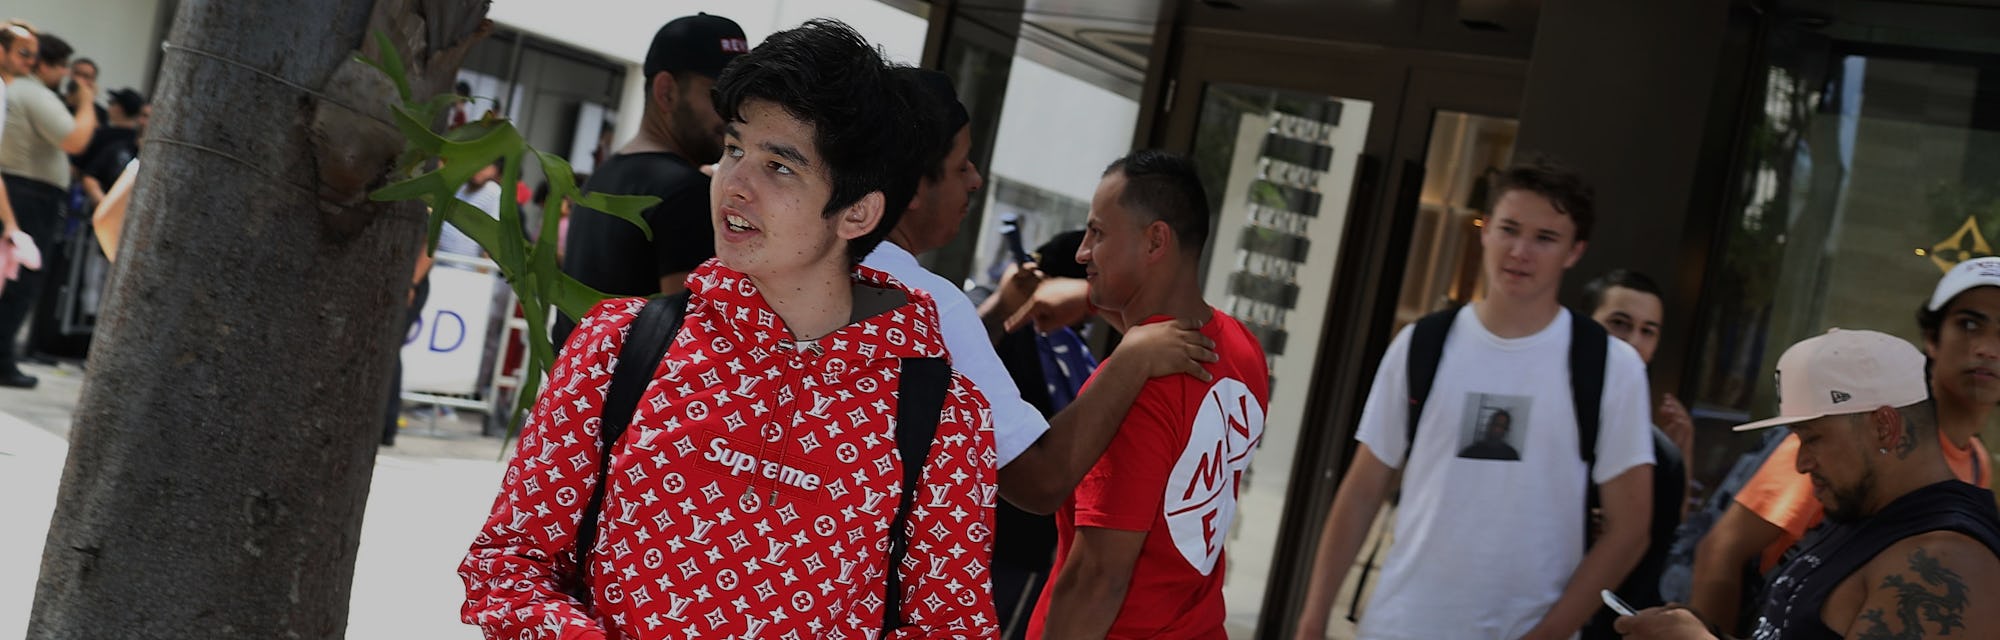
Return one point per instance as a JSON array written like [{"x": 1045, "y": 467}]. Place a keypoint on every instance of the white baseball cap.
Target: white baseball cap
[
  {"x": 1845, "y": 372},
  {"x": 1977, "y": 272}
]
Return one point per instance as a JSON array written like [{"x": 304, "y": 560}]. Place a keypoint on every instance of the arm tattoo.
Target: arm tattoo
[{"x": 1917, "y": 603}]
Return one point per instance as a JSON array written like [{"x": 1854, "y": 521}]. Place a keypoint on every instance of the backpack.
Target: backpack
[{"x": 917, "y": 409}]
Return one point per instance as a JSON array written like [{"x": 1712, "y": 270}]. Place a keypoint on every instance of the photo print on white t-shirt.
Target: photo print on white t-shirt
[{"x": 1494, "y": 427}]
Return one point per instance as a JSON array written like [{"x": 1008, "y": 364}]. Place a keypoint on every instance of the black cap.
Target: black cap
[
  {"x": 700, "y": 43},
  {"x": 1057, "y": 257}
]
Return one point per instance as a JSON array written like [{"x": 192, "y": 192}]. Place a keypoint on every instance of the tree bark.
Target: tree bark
[{"x": 226, "y": 434}]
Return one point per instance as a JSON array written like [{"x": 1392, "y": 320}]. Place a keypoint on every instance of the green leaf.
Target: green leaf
[{"x": 627, "y": 208}]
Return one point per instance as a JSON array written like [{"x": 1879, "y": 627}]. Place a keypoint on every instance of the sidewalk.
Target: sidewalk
[{"x": 430, "y": 493}]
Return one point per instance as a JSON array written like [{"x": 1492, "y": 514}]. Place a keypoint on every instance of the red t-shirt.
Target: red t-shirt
[{"x": 1173, "y": 471}]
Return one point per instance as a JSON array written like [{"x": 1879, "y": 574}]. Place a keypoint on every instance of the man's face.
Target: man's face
[
  {"x": 1497, "y": 427},
  {"x": 1528, "y": 244},
  {"x": 20, "y": 59},
  {"x": 1966, "y": 350},
  {"x": 1633, "y": 316},
  {"x": 51, "y": 74},
  {"x": 1113, "y": 251},
  {"x": 942, "y": 203},
  {"x": 1834, "y": 453},
  {"x": 83, "y": 71},
  {"x": 694, "y": 121},
  {"x": 769, "y": 194}
]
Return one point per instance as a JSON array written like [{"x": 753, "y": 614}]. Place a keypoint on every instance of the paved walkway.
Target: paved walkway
[{"x": 430, "y": 493}]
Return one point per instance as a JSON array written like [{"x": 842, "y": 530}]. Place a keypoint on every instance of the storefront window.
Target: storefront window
[{"x": 1869, "y": 171}]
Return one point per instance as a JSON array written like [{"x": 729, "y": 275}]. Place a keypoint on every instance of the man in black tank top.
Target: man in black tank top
[{"x": 1908, "y": 551}]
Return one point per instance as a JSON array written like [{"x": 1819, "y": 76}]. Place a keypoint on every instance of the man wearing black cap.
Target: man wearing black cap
[{"x": 679, "y": 132}]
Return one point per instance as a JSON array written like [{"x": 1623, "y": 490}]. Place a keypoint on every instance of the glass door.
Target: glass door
[{"x": 1280, "y": 167}]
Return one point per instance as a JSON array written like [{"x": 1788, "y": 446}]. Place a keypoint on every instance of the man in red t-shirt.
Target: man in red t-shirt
[{"x": 1139, "y": 552}]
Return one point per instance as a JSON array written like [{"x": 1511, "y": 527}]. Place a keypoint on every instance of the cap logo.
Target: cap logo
[
  {"x": 735, "y": 45},
  {"x": 1839, "y": 397}
]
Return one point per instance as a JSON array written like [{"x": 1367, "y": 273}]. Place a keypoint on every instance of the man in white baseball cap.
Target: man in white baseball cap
[
  {"x": 1960, "y": 322},
  {"x": 1903, "y": 537}
]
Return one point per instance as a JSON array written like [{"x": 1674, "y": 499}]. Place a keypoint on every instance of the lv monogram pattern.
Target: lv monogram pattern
[{"x": 753, "y": 493}]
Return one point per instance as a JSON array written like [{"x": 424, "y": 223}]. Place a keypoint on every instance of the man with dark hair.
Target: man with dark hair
[
  {"x": 762, "y": 464},
  {"x": 113, "y": 146},
  {"x": 1040, "y": 462},
  {"x": 679, "y": 132},
  {"x": 34, "y": 160},
  {"x": 1631, "y": 308},
  {"x": 1908, "y": 551},
  {"x": 1492, "y": 442},
  {"x": 1778, "y": 506},
  {"x": 1139, "y": 545},
  {"x": 1445, "y": 577}
]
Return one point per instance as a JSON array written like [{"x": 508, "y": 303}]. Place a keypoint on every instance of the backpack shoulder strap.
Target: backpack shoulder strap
[
  {"x": 1426, "y": 349},
  {"x": 1587, "y": 350},
  {"x": 645, "y": 344},
  {"x": 919, "y": 402}
]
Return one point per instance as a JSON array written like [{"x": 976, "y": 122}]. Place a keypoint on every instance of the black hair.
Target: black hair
[
  {"x": 865, "y": 127},
  {"x": 1593, "y": 291},
  {"x": 1563, "y": 188},
  {"x": 128, "y": 101},
  {"x": 1920, "y": 420},
  {"x": 935, "y": 94},
  {"x": 1930, "y": 321},
  {"x": 1164, "y": 185},
  {"x": 54, "y": 51},
  {"x": 87, "y": 61}
]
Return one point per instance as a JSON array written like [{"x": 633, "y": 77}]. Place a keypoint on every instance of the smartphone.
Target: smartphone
[
  {"x": 1010, "y": 232},
  {"x": 1612, "y": 600}
]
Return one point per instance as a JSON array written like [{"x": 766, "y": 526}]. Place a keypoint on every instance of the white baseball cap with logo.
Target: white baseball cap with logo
[
  {"x": 1844, "y": 372},
  {"x": 1977, "y": 272}
]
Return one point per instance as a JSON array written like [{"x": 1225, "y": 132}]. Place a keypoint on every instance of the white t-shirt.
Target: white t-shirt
[
  {"x": 1016, "y": 424},
  {"x": 484, "y": 198},
  {"x": 1491, "y": 521}
]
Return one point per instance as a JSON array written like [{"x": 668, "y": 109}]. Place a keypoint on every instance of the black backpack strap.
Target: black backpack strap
[
  {"x": 645, "y": 344},
  {"x": 1426, "y": 349},
  {"x": 1587, "y": 345},
  {"x": 919, "y": 402}
]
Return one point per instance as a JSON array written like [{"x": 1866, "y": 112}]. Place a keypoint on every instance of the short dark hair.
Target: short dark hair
[
  {"x": 1546, "y": 178},
  {"x": 865, "y": 127},
  {"x": 78, "y": 61},
  {"x": 54, "y": 51},
  {"x": 936, "y": 94},
  {"x": 128, "y": 101},
  {"x": 1593, "y": 291},
  {"x": 1921, "y": 420},
  {"x": 1165, "y": 186}
]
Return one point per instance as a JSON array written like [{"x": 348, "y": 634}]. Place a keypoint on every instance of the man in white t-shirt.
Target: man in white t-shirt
[{"x": 1494, "y": 548}]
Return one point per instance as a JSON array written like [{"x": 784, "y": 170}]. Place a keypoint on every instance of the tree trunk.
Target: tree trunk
[{"x": 225, "y": 438}]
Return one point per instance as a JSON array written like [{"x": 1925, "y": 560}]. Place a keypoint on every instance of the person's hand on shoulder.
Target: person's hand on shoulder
[{"x": 1167, "y": 348}]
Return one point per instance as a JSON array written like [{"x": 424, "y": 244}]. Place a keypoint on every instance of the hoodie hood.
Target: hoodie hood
[{"x": 907, "y": 331}]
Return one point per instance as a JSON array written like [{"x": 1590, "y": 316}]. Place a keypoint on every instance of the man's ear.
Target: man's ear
[
  {"x": 1159, "y": 237},
  {"x": 1576, "y": 253},
  {"x": 1889, "y": 429},
  {"x": 665, "y": 91},
  {"x": 861, "y": 217}
]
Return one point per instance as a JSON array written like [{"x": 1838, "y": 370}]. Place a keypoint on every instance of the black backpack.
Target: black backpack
[{"x": 917, "y": 408}]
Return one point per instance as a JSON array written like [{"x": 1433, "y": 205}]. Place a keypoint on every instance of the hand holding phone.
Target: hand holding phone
[{"x": 1617, "y": 604}]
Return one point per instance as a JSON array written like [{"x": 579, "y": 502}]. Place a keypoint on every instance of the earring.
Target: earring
[{"x": 1884, "y": 450}]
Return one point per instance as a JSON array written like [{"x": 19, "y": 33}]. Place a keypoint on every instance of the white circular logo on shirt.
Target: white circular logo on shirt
[{"x": 1201, "y": 493}]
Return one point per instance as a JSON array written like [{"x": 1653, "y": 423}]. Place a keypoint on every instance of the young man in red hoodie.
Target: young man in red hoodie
[{"x": 754, "y": 492}]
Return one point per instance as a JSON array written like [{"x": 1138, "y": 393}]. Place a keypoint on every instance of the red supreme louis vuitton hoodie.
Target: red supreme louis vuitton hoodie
[{"x": 753, "y": 493}]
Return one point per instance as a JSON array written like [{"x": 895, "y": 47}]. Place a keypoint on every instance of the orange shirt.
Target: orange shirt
[{"x": 1782, "y": 496}]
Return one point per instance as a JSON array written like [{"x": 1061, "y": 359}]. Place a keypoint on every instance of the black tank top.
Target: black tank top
[{"x": 1793, "y": 599}]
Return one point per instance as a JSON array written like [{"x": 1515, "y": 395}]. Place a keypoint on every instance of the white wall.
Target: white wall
[
  {"x": 623, "y": 29},
  {"x": 1058, "y": 132},
  {"x": 117, "y": 34}
]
